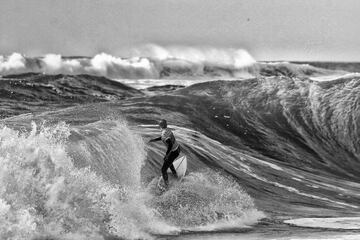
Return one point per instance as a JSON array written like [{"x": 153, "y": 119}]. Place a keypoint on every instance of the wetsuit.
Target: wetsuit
[{"x": 173, "y": 151}]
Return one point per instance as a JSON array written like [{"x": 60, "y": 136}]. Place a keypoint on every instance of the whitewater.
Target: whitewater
[{"x": 273, "y": 147}]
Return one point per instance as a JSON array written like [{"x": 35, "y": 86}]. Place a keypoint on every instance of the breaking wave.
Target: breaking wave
[
  {"x": 84, "y": 182},
  {"x": 151, "y": 62},
  {"x": 43, "y": 193}
]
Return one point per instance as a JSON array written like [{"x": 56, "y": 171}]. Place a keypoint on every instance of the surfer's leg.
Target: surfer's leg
[
  {"x": 164, "y": 168},
  {"x": 172, "y": 157},
  {"x": 168, "y": 164}
]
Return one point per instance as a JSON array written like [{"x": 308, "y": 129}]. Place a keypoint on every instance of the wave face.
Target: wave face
[
  {"x": 291, "y": 120},
  {"x": 281, "y": 145}
]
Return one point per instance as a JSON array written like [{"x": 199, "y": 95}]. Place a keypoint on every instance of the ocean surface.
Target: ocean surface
[{"x": 273, "y": 147}]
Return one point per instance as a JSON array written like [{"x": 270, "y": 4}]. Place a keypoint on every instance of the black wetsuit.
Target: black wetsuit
[
  {"x": 173, "y": 151},
  {"x": 168, "y": 163}
]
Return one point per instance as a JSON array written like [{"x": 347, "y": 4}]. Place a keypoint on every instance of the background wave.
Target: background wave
[
  {"x": 33, "y": 92},
  {"x": 155, "y": 62},
  {"x": 148, "y": 62}
]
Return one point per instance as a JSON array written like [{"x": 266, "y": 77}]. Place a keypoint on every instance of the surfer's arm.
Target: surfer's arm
[
  {"x": 170, "y": 145},
  {"x": 155, "y": 139}
]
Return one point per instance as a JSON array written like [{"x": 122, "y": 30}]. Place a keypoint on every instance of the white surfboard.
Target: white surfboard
[{"x": 180, "y": 165}]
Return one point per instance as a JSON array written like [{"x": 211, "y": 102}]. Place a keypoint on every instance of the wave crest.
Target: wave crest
[{"x": 148, "y": 62}]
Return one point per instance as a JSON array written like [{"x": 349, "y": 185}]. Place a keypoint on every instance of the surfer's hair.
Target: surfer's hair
[{"x": 163, "y": 123}]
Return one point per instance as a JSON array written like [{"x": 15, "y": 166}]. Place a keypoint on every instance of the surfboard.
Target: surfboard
[{"x": 180, "y": 165}]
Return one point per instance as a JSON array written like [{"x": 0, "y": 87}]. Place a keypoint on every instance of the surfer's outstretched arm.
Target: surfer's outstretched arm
[{"x": 155, "y": 139}]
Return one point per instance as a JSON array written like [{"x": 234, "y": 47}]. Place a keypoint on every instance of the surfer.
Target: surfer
[{"x": 172, "y": 152}]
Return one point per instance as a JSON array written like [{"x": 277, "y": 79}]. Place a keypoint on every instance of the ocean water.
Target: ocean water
[{"x": 273, "y": 147}]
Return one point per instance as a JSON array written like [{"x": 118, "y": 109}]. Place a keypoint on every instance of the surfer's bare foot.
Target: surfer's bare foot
[{"x": 175, "y": 175}]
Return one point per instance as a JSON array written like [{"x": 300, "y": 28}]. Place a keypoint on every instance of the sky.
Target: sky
[{"x": 303, "y": 30}]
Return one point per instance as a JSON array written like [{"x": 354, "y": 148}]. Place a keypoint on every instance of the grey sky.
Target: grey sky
[{"x": 268, "y": 29}]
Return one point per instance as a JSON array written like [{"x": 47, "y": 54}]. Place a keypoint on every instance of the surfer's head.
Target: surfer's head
[{"x": 163, "y": 123}]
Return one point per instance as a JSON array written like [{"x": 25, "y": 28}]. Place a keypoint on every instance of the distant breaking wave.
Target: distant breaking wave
[{"x": 151, "y": 61}]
